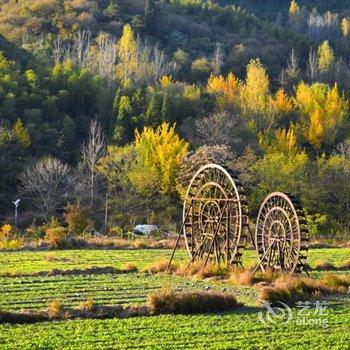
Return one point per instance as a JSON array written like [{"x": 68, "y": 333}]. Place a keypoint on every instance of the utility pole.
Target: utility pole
[{"x": 16, "y": 203}]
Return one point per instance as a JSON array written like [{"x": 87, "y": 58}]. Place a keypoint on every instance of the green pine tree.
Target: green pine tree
[
  {"x": 165, "y": 108},
  {"x": 152, "y": 113},
  {"x": 123, "y": 130}
]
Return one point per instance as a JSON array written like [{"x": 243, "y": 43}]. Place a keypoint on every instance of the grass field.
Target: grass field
[{"x": 239, "y": 329}]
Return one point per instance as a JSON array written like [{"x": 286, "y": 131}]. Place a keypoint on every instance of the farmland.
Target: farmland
[{"x": 237, "y": 329}]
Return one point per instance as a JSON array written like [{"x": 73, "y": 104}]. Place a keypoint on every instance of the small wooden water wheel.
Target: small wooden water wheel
[{"x": 281, "y": 235}]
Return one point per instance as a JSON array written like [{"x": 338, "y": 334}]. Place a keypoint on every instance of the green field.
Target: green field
[{"x": 239, "y": 329}]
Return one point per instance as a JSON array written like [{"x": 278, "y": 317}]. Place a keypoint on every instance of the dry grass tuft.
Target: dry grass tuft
[
  {"x": 241, "y": 277},
  {"x": 171, "y": 302},
  {"x": 54, "y": 309},
  {"x": 87, "y": 305},
  {"x": 129, "y": 267},
  {"x": 161, "y": 266},
  {"x": 290, "y": 289}
]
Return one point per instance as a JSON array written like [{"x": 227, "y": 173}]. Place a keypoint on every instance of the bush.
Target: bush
[
  {"x": 128, "y": 267},
  {"x": 161, "y": 266},
  {"x": 6, "y": 231},
  {"x": 55, "y": 237},
  {"x": 171, "y": 302},
  {"x": 87, "y": 305},
  {"x": 54, "y": 309},
  {"x": 77, "y": 219}
]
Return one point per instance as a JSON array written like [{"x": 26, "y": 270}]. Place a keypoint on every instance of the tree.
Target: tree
[
  {"x": 282, "y": 103},
  {"x": 152, "y": 112},
  {"x": 21, "y": 133},
  {"x": 127, "y": 54},
  {"x": 294, "y": 8},
  {"x": 255, "y": 94},
  {"x": 218, "y": 59},
  {"x": 165, "y": 111},
  {"x": 123, "y": 131},
  {"x": 279, "y": 172},
  {"x": 345, "y": 26},
  {"x": 325, "y": 56},
  {"x": 48, "y": 184},
  {"x": 91, "y": 152},
  {"x": 150, "y": 16},
  {"x": 158, "y": 157}
]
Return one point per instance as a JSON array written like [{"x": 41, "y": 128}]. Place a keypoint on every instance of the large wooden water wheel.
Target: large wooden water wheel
[
  {"x": 281, "y": 235},
  {"x": 215, "y": 216}
]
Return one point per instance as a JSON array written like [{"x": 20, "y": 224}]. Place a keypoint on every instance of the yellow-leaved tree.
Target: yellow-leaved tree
[
  {"x": 282, "y": 103},
  {"x": 345, "y": 26},
  {"x": 255, "y": 97},
  {"x": 322, "y": 112},
  {"x": 325, "y": 56},
  {"x": 294, "y": 8},
  {"x": 225, "y": 89},
  {"x": 159, "y": 153},
  {"x": 127, "y": 54}
]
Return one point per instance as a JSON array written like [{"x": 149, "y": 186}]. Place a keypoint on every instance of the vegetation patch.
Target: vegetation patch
[
  {"x": 290, "y": 289},
  {"x": 172, "y": 302}
]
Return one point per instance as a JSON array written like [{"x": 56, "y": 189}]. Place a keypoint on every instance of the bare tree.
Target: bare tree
[
  {"x": 57, "y": 51},
  {"x": 158, "y": 63},
  {"x": 293, "y": 70},
  {"x": 47, "y": 184},
  {"x": 81, "y": 47},
  {"x": 218, "y": 59},
  {"x": 91, "y": 152},
  {"x": 106, "y": 55},
  {"x": 218, "y": 129},
  {"x": 312, "y": 64}
]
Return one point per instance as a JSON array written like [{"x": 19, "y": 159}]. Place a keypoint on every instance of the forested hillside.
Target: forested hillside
[{"x": 109, "y": 106}]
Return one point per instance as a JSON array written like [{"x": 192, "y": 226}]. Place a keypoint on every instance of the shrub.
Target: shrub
[
  {"x": 161, "y": 266},
  {"x": 87, "y": 305},
  {"x": 77, "y": 218},
  {"x": 54, "y": 309},
  {"x": 171, "y": 302},
  {"x": 241, "y": 277},
  {"x": 11, "y": 244},
  {"x": 128, "y": 267},
  {"x": 6, "y": 231},
  {"x": 55, "y": 237}
]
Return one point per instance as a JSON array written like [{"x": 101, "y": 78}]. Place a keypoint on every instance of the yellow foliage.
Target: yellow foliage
[
  {"x": 6, "y": 231},
  {"x": 255, "y": 93},
  {"x": 220, "y": 85},
  {"x": 345, "y": 26},
  {"x": 294, "y": 8},
  {"x": 322, "y": 111},
  {"x": 284, "y": 141},
  {"x": 282, "y": 103},
  {"x": 325, "y": 56},
  {"x": 126, "y": 48},
  {"x": 316, "y": 130},
  {"x": 336, "y": 107},
  {"x": 166, "y": 81},
  {"x": 158, "y": 156}
]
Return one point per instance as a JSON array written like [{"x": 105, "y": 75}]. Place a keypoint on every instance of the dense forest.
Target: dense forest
[{"x": 107, "y": 107}]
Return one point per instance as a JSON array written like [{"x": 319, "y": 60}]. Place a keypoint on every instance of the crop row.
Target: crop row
[
  {"x": 225, "y": 331},
  {"x": 108, "y": 289},
  {"x": 29, "y": 262}
]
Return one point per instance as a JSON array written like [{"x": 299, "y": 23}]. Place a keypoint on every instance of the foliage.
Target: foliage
[
  {"x": 77, "y": 218},
  {"x": 158, "y": 155}
]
